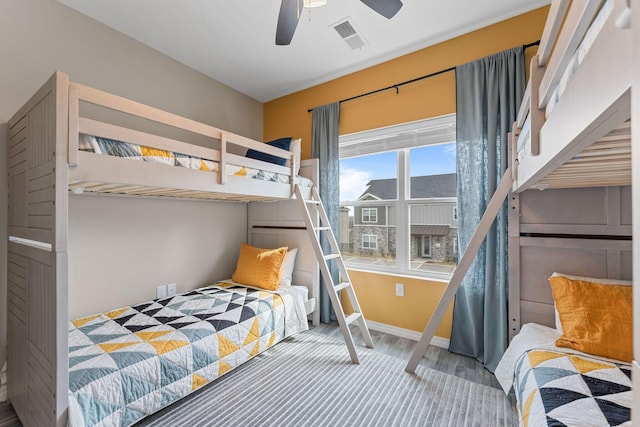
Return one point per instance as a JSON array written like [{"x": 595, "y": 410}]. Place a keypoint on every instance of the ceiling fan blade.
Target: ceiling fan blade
[
  {"x": 386, "y": 8},
  {"x": 287, "y": 21}
]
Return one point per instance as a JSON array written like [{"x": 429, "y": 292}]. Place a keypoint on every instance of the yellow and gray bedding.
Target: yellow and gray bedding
[
  {"x": 559, "y": 386},
  {"x": 127, "y": 150},
  {"x": 128, "y": 363},
  {"x": 577, "y": 374}
]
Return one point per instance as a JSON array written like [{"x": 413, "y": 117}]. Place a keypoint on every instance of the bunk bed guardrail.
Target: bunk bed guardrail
[
  {"x": 86, "y": 166},
  {"x": 569, "y": 133}
]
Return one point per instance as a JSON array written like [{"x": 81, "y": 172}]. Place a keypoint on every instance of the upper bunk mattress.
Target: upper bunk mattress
[
  {"x": 141, "y": 153},
  {"x": 578, "y": 57},
  {"x": 131, "y": 362}
]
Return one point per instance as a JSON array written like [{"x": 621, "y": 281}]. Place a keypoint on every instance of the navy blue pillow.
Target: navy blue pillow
[{"x": 283, "y": 143}]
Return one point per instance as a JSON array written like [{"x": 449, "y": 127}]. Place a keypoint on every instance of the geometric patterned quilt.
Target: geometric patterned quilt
[
  {"x": 561, "y": 389},
  {"x": 131, "y": 151},
  {"x": 128, "y": 363}
]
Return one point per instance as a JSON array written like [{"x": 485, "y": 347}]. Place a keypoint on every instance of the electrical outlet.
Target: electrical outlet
[
  {"x": 171, "y": 289},
  {"x": 399, "y": 289},
  {"x": 161, "y": 292}
]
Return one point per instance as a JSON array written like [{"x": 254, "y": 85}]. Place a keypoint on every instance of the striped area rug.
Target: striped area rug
[{"x": 308, "y": 380}]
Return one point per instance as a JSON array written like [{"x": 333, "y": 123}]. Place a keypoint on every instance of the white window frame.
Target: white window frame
[
  {"x": 439, "y": 130},
  {"x": 422, "y": 246},
  {"x": 369, "y": 210},
  {"x": 371, "y": 238}
]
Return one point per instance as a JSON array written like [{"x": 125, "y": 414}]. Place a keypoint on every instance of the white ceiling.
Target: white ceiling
[{"x": 233, "y": 41}]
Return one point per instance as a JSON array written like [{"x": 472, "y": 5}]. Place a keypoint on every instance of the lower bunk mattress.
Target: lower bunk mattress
[
  {"x": 554, "y": 387},
  {"x": 131, "y": 362}
]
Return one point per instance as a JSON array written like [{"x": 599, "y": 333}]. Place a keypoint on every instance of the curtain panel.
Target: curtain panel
[
  {"x": 324, "y": 147},
  {"x": 488, "y": 94}
]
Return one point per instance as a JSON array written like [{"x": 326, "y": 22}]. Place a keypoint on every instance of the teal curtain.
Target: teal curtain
[
  {"x": 324, "y": 147},
  {"x": 488, "y": 94}
]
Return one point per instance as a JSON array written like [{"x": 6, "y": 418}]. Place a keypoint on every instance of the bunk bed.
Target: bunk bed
[
  {"x": 174, "y": 157},
  {"x": 572, "y": 139}
]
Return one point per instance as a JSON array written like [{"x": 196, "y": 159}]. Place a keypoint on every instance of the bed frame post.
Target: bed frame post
[
  {"x": 461, "y": 270},
  {"x": 223, "y": 158},
  {"x": 74, "y": 124},
  {"x": 535, "y": 113},
  {"x": 513, "y": 149},
  {"x": 635, "y": 172},
  {"x": 514, "y": 265},
  {"x": 37, "y": 284},
  {"x": 514, "y": 240}
]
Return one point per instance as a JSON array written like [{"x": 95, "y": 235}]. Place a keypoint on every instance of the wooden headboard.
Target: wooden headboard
[
  {"x": 583, "y": 232},
  {"x": 279, "y": 223}
]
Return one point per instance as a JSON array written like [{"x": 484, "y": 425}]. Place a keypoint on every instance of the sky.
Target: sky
[{"x": 356, "y": 172}]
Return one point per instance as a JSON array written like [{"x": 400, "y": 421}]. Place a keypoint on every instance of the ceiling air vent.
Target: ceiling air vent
[{"x": 348, "y": 32}]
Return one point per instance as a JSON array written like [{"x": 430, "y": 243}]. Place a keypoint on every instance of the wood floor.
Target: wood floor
[{"x": 436, "y": 358}]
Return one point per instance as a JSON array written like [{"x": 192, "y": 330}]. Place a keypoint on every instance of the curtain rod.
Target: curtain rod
[{"x": 397, "y": 85}]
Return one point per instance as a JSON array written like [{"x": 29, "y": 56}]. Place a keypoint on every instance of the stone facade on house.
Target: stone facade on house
[{"x": 443, "y": 247}]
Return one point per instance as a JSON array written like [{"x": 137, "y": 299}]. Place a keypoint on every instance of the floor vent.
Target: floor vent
[{"x": 348, "y": 32}]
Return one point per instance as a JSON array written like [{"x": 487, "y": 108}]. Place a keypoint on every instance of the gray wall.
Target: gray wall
[
  {"x": 434, "y": 213},
  {"x": 38, "y": 37}
]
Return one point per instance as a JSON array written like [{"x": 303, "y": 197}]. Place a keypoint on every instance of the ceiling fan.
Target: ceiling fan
[{"x": 290, "y": 15}]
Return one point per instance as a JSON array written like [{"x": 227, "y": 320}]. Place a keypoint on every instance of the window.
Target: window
[
  {"x": 369, "y": 214},
  {"x": 369, "y": 241},
  {"x": 426, "y": 246},
  {"x": 455, "y": 213},
  {"x": 397, "y": 196}
]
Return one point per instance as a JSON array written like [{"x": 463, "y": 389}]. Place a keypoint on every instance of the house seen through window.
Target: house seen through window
[{"x": 398, "y": 209}]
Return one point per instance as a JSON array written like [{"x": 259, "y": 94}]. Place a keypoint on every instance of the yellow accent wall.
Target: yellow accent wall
[
  {"x": 377, "y": 297},
  {"x": 288, "y": 116}
]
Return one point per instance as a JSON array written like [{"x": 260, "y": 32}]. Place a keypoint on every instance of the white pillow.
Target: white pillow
[
  {"x": 585, "y": 279},
  {"x": 296, "y": 148},
  {"x": 286, "y": 269},
  {"x": 88, "y": 143}
]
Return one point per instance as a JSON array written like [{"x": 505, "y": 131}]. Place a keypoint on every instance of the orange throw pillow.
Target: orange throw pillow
[
  {"x": 259, "y": 267},
  {"x": 596, "y": 318}
]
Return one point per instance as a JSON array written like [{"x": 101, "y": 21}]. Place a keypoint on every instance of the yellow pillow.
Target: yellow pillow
[
  {"x": 259, "y": 267},
  {"x": 596, "y": 318}
]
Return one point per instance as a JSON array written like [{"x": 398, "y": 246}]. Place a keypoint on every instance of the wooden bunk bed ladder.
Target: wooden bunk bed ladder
[{"x": 314, "y": 206}]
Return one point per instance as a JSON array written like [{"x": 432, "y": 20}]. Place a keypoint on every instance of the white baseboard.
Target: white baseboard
[{"x": 405, "y": 333}]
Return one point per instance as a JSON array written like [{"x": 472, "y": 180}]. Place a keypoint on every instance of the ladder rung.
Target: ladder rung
[
  {"x": 341, "y": 286},
  {"x": 322, "y": 228},
  {"x": 331, "y": 256},
  {"x": 352, "y": 318},
  {"x": 312, "y": 202}
]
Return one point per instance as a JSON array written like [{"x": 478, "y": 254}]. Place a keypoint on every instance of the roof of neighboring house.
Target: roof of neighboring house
[
  {"x": 422, "y": 187},
  {"x": 432, "y": 230}
]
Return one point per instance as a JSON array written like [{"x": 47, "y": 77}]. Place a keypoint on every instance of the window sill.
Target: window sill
[{"x": 411, "y": 274}]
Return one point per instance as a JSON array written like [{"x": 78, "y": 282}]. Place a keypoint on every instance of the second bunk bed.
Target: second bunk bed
[
  {"x": 571, "y": 263},
  {"x": 573, "y": 140}
]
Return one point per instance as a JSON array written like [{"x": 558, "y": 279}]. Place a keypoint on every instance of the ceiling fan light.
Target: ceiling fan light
[{"x": 314, "y": 3}]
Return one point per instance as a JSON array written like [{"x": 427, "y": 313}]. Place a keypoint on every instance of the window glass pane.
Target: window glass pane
[
  {"x": 433, "y": 235},
  {"x": 367, "y": 230},
  {"x": 432, "y": 170},
  {"x": 371, "y": 177},
  {"x": 433, "y": 221},
  {"x": 375, "y": 218},
  {"x": 370, "y": 243}
]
